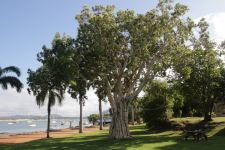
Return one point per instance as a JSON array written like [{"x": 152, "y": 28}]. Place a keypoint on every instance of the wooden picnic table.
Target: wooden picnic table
[{"x": 196, "y": 134}]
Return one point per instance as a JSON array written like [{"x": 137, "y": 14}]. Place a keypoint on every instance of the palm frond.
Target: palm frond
[
  {"x": 40, "y": 97},
  {"x": 12, "y": 69},
  {"x": 59, "y": 95},
  {"x": 12, "y": 81}
]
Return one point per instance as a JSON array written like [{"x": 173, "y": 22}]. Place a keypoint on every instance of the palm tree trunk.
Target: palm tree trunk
[
  {"x": 100, "y": 114},
  {"x": 132, "y": 114},
  {"x": 211, "y": 104},
  {"x": 81, "y": 117},
  {"x": 48, "y": 123}
]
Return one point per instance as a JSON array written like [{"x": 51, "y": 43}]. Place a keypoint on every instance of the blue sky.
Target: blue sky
[{"x": 26, "y": 25}]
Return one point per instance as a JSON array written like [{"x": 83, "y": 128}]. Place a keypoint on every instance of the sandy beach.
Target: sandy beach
[{"x": 27, "y": 137}]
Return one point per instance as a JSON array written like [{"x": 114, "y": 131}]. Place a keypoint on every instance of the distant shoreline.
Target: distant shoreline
[{"x": 18, "y": 120}]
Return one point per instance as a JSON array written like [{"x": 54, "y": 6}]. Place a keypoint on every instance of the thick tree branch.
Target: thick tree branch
[
  {"x": 109, "y": 93},
  {"x": 136, "y": 77}
]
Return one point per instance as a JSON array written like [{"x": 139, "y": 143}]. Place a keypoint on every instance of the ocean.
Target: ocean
[{"x": 27, "y": 126}]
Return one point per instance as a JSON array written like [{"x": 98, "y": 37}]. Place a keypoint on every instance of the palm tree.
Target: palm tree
[
  {"x": 43, "y": 86},
  {"x": 13, "y": 81},
  {"x": 52, "y": 95},
  {"x": 101, "y": 97},
  {"x": 77, "y": 90},
  {"x": 132, "y": 114}
]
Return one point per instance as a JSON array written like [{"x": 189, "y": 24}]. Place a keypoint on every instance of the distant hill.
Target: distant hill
[{"x": 55, "y": 116}]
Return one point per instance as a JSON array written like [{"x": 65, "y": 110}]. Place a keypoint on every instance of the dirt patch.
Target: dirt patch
[{"x": 27, "y": 137}]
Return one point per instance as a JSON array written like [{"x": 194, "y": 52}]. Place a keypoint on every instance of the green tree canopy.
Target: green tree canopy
[
  {"x": 52, "y": 78},
  {"x": 124, "y": 50},
  {"x": 200, "y": 73}
]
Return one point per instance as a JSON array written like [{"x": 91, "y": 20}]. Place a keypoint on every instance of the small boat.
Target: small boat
[
  {"x": 62, "y": 123},
  {"x": 54, "y": 122},
  {"x": 32, "y": 125},
  {"x": 10, "y": 123},
  {"x": 88, "y": 125}
]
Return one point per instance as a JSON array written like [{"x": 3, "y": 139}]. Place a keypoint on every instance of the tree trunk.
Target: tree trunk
[
  {"x": 81, "y": 117},
  {"x": 48, "y": 122},
  {"x": 132, "y": 114},
  {"x": 139, "y": 116},
  {"x": 119, "y": 126},
  {"x": 210, "y": 110},
  {"x": 207, "y": 115},
  {"x": 100, "y": 114},
  {"x": 211, "y": 107}
]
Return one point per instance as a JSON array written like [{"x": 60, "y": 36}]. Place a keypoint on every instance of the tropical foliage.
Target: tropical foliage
[
  {"x": 44, "y": 89},
  {"x": 51, "y": 79},
  {"x": 6, "y": 80}
]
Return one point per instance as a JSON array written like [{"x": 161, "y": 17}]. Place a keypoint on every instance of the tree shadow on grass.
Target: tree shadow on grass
[
  {"x": 216, "y": 132},
  {"x": 89, "y": 142},
  {"x": 99, "y": 141},
  {"x": 215, "y": 143},
  {"x": 221, "y": 132}
]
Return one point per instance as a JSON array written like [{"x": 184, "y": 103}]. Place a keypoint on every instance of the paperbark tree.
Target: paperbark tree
[{"x": 124, "y": 50}]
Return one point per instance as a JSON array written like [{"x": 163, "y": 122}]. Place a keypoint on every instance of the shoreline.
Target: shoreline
[
  {"x": 33, "y": 132},
  {"x": 37, "y": 135},
  {"x": 25, "y": 126},
  {"x": 37, "y": 131}
]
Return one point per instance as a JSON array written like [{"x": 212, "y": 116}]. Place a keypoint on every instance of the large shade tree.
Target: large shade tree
[
  {"x": 200, "y": 73},
  {"x": 13, "y": 81},
  {"x": 125, "y": 50}
]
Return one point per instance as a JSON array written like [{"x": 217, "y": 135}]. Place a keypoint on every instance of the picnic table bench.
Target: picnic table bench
[{"x": 196, "y": 134}]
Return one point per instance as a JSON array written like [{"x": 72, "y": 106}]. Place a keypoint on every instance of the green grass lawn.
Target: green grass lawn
[{"x": 169, "y": 140}]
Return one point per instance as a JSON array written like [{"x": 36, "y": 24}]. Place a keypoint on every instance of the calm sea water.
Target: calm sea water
[{"x": 12, "y": 127}]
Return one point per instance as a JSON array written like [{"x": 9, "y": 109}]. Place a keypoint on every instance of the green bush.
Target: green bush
[
  {"x": 93, "y": 118},
  {"x": 157, "y": 105}
]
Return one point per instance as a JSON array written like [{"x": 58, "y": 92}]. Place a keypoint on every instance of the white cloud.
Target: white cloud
[
  {"x": 13, "y": 103},
  {"x": 216, "y": 23}
]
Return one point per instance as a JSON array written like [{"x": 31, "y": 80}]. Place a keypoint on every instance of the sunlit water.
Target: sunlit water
[{"x": 15, "y": 127}]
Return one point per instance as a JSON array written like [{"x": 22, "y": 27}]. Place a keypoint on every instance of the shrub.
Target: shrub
[
  {"x": 93, "y": 118},
  {"x": 157, "y": 105}
]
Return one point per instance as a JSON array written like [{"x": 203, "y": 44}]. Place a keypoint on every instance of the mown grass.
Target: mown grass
[{"x": 169, "y": 140}]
